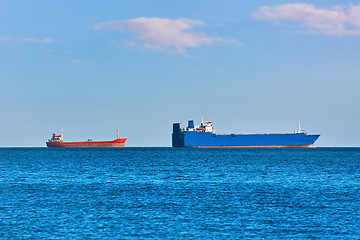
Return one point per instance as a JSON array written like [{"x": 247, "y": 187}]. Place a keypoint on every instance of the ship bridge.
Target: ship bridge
[{"x": 203, "y": 127}]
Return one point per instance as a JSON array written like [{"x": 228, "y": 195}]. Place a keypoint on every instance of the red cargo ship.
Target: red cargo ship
[{"x": 58, "y": 141}]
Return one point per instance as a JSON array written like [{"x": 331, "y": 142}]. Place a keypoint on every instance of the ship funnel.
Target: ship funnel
[
  {"x": 176, "y": 128},
  {"x": 191, "y": 124},
  {"x": 117, "y": 133}
]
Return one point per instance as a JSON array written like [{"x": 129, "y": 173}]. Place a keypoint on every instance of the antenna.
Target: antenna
[{"x": 117, "y": 133}]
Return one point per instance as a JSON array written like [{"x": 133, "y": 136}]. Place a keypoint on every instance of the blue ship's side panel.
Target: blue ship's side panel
[{"x": 208, "y": 139}]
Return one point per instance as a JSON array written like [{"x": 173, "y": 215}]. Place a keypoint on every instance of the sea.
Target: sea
[{"x": 174, "y": 193}]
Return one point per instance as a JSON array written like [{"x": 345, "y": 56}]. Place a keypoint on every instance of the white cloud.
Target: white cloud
[
  {"x": 78, "y": 63},
  {"x": 36, "y": 40},
  {"x": 162, "y": 33},
  {"x": 4, "y": 39},
  {"x": 25, "y": 39},
  {"x": 335, "y": 20}
]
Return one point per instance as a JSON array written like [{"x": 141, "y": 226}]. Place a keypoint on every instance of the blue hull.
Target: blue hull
[{"x": 209, "y": 139}]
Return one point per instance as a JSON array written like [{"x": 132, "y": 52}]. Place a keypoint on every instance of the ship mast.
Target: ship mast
[
  {"x": 62, "y": 134},
  {"x": 300, "y": 131}
]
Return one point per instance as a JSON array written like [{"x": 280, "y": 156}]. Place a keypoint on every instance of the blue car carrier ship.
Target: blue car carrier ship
[{"x": 204, "y": 136}]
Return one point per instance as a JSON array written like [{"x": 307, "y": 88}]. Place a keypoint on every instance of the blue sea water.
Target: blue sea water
[{"x": 140, "y": 193}]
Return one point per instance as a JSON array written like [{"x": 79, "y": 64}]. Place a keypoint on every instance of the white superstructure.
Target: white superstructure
[{"x": 203, "y": 127}]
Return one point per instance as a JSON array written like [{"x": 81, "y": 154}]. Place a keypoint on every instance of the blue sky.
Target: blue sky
[{"x": 90, "y": 67}]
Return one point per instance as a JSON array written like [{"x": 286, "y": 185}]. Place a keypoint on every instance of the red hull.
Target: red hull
[{"x": 91, "y": 144}]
